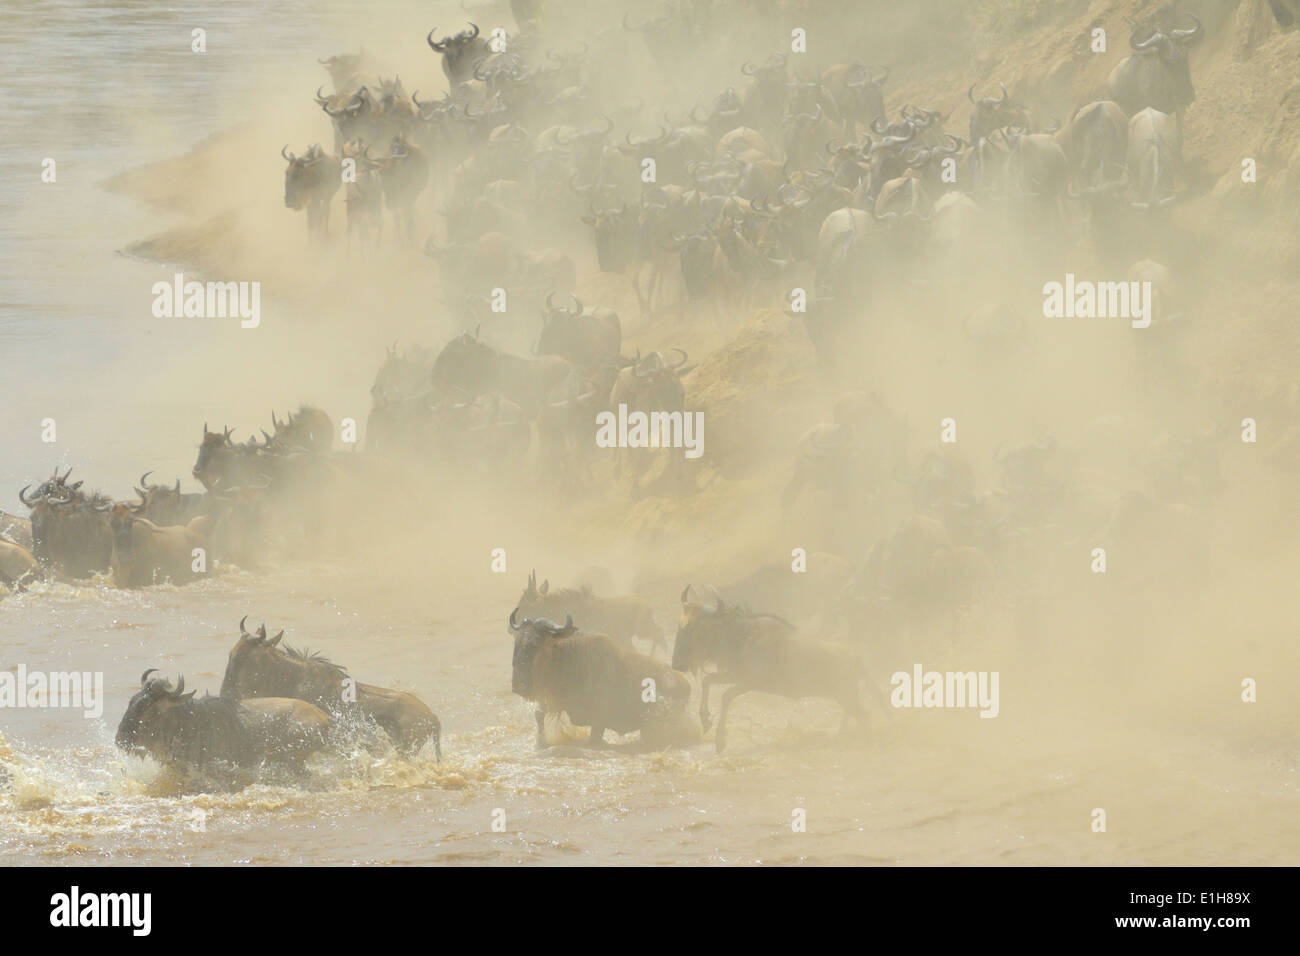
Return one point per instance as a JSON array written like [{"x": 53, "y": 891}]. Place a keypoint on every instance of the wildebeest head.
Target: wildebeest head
[
  {"x": 530, "y": 636},
  {"x": 694, "y": 628},
  {"x": 216, "y": 452},
  {"x": 459, "y": 52},
  {"x": 994, "y": 112},
  {"x": 305, "y": 176},
  {"x": 253, "y": 665},
  {"x": 141, "y": 727},
  {"x": 167, "y": 724},
  {"x": 53, "y": 488},
  {"x": 1170, "y": 44}
]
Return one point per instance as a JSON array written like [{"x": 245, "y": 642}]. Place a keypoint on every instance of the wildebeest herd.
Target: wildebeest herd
[{"x": 791, "y": 178}]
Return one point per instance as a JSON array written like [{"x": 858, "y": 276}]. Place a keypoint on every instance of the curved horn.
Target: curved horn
[
  {"x": 577, "y": 304},
  {"x": 437, "y": 47},
  {"x": 145, "y": 676},
  {"x": 685, "y": 591},
  {"x": 1189, "y": 34}
]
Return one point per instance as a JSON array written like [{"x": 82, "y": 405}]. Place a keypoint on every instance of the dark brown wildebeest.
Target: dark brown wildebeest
[
  {"x": 621, "y": 618},
  {"x": 259, "y": 667},
  {"x": 992, "y": 113},
  {"x": 590, "y": 678},
  {"x": 220, "y": 459},
  {"x": 310, "y": 181},
  {"x": 144, "y": 553},
  {"x": 68, "y": 533},
  {"x": 460, "y": 53},
  {"x": 167, "y": 724},
  {"x": 216, "y": 733},
  {"x": 588, "y": 339},
  {"x": 761, "y": 652},
  {"x": 1156, "y": 74}
]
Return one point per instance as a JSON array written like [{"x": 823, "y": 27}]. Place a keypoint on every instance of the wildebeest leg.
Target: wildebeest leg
[
  {"x": 706, "y": 720},
  {"x": 541, "y": 728},
  {"x": 720, "y": 739},
  {"x": 598, "y": 736}
]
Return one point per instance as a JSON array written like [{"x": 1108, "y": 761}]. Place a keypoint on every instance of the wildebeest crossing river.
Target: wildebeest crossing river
[{"x": 1111, "y": 689}]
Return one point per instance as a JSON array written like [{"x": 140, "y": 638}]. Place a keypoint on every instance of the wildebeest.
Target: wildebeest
[
  {"x": 1154, "y": 159},
  {"x": 309, "y": 428},
  {"x": 403, "y": 174},
  {"x": 363, "y": 196},
  {"x": 615, "y": 236},
  {"x": 589, "y": 678},
  {"x": 1156, "y": 74},
  {"x": 461, "y": 52},
  {"x": 168, "y": 506},
  {"x": 588, "y": 339},
  {"x": 762, "y": 652},
  {"x": 855, "y": 88},
  {"x": 992, "y": 113},
  {"x": 259, "y": 667},
  {"x": 68, "y": 532},
  {"x": 144, "y": 553},
  {"x": 167, "y": 724},
  {"x": 310, "y": 181},
  {"x": 650, "y": 384},
  {"x": 18, "y": 566},
  {"x": 217, "y": 733},
  {"x": 220, "y": 459},
  {"x": 621, "y": 618},
  {"x": 470, "y": 365},
  {"x": 1094, "y": 141}
]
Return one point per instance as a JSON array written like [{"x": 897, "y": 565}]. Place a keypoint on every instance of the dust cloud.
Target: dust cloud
[{"x": 903, "y": 455}]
